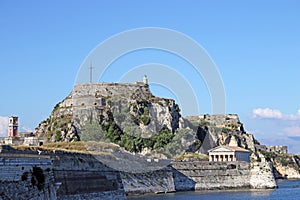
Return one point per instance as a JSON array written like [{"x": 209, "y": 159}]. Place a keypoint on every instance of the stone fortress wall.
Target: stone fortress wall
[
  {"x": 201, "y": 175},
  {"x": 92, "y": 94},
  {"x": 279, "y": 149},
  {"x": 229, "y": 121},
  {"x": 81, "y": 176},
  {"x": 126, "y": 90},
  {"x": 56, "y": 175},
  {"x": 25, "y": 176},
  {"x": 91, "y": 98},
  {"x": 204, "y": 175}
]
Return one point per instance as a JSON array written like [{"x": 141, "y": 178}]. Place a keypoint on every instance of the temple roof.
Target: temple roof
[{"x": 227, "y": 149}]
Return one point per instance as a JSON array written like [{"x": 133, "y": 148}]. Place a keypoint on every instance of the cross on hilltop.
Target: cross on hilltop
[{"x": 91, "y": 73}]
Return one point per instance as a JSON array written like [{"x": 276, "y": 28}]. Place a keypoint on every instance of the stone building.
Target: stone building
[{"x": 228, "y": 153}]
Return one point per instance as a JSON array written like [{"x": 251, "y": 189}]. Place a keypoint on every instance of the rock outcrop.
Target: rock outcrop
[
  {"x": 129, "y": 106},
  {"x": 286, "y": 166},
  {"x": 132, "y": 117},
  {"x": 215, "y": 130}
]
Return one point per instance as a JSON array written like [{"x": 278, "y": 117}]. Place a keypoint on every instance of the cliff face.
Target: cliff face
[
  {"x": 286, "y": 166},
  {"x": 127, "y": 108}
]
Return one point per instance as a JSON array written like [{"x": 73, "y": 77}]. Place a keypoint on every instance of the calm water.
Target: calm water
[{"x": 286, "y": 190}]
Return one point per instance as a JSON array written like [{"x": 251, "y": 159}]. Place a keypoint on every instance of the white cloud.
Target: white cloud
[
  {"x": 3, "y": 126},
  {"x": 293, "y": 131},
  {"x": 268, "y": 113},
  {"x": 280, "y": 129}
]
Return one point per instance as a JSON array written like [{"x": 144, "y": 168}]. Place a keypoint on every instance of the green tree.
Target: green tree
[{"x": 58, "y": 136}]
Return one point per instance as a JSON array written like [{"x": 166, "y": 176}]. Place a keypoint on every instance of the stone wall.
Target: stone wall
[
  {"x": 262, "y": 176},
  {"x": 150, "y": 182},
  {"x": 26, "y": 177},
  {"x": 61, "y": 175},
  {"x": 204, "y": 175},
  {"x": 66, "y": 176},
  {"x": 126, "y": 90},
  {"x": 201, "y": 175},
  {"x": 81, "y": 176}
]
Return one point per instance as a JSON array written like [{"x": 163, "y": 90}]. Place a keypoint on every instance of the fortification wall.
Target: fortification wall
[
  {"x": 278, "y": 149},
  {"x": 230, "y": 121},
  {"x": 262, "y": 176},
  {"x": 204, "y": 175},
  {"x": 200, "y": 175},
  {"x": 151, "y": 182},
  {"x": 60, "y": 175},
  {"x": 66, "y": 175},
  {"x": 126, "y": 90},
  {"x": 26, "y": 177},
  {"x": 83, "y": 177}
]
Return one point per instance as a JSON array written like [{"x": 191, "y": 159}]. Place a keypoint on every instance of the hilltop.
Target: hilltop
[{"x": 130, "y": 116}]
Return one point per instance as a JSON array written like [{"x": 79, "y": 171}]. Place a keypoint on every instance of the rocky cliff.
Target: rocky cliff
[
  {"x": 215, "y": 130},
  {"x": 132, "y": 117},
  {"x": 120, "y": 109},
  {"x": 286, "y": 166}
]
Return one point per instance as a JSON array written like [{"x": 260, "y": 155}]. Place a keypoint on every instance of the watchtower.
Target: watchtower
[{"x": 12, "y": 126}]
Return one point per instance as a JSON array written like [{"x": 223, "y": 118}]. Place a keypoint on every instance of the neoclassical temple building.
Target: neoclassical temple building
[{"x": 228, "y": 153}]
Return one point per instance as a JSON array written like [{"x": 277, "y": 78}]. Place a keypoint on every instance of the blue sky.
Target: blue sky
[{"x": 254, "y": 44}]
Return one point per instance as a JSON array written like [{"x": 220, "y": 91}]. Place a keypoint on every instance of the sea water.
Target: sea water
[{"x": 287, "y": 189}]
